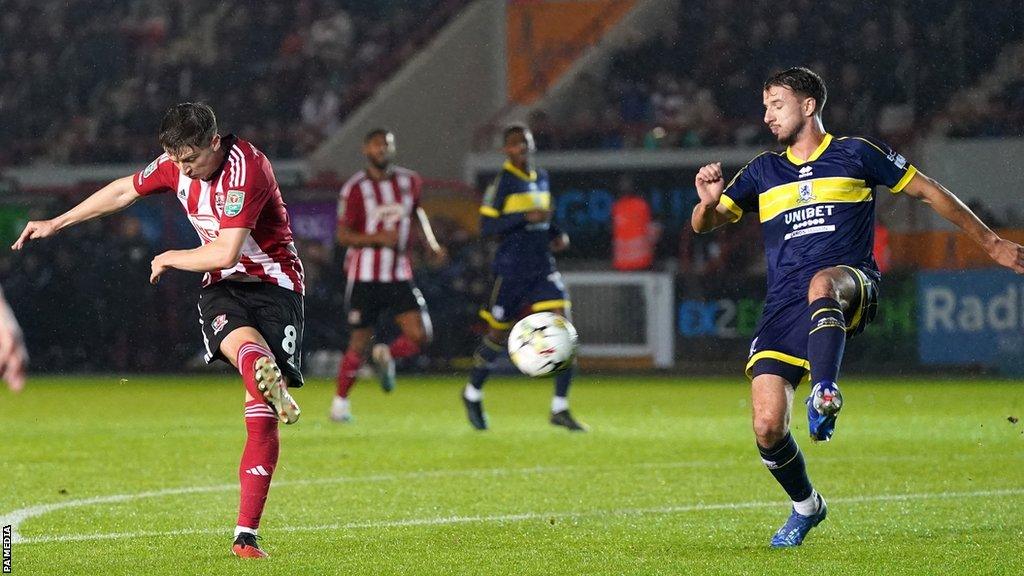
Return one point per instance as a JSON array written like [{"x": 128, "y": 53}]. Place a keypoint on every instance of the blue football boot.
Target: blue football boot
[
  {"x": 823, "y": 407},
  {"x": 797, "y": 526}
]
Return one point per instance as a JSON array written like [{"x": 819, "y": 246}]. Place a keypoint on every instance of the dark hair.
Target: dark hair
[
  {"x": 188, "y": 124},
  {"x": 374, "y": 133},
  {"x": 802, "y": 81},
  {"x": 513, "y": 129}
]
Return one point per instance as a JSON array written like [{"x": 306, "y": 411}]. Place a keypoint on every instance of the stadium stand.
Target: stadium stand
[
  {"x": 695, "y": 84},
  {"x": 98, "y": 75}
]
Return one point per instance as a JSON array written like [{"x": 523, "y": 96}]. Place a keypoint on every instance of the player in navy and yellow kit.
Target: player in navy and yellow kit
[
  {"x": 516, "y": 210},
  {"x": 816, "y": 205}
]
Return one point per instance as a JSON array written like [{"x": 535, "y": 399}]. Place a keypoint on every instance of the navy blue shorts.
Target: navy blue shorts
[
  {"x": 512, "y": 297},
  {"x": 780, "y": 341}
]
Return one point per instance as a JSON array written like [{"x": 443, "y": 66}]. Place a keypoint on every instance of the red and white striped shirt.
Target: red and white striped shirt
[
  {"x": 368, "y": 206},
  {"x": 243, "y": 193}
]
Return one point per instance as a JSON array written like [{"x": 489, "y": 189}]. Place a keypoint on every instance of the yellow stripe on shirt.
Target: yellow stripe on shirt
[
  {"x": 809, "y": 192},
  {"x": 732, "y": 207},
  {"x": 911, "y": 172},
  {"x": 527, "y": 201}
]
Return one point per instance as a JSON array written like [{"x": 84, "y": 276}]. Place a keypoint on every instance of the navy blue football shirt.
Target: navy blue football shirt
[{"x": 816, "y": 213}]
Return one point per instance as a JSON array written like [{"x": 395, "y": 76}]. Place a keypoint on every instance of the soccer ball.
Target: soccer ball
[{"x": 542, "y": 344}]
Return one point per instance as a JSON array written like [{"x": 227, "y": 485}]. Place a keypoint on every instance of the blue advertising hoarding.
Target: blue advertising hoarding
[{"x": 973, "y": 317}]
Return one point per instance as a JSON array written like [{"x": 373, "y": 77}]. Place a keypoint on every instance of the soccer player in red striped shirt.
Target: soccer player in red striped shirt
[
  {"x": 251, "y": 302},
  {"x": 375, "y": 219}
]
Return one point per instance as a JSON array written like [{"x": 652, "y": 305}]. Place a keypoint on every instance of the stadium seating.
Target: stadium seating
[
  {"x": 697, "y": 83},
  {"x": 98, "y": 75}
]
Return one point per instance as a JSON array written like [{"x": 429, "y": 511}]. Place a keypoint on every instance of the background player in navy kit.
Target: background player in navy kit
[
  {"x": 816, "y": 205},
  {"x": 516, "y": 210}
]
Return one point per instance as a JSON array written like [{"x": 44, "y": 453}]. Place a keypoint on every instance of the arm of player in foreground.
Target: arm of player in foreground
[
  {"x": 113, "y": 197},
  {"x": 222, "y": 253},
  {"x": 946, "y": 204},
  {"x": 709, "y": 213},
  {"x": 13, "y": 356}
]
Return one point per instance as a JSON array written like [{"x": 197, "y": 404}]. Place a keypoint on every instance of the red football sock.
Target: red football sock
[
  {"x": 248, "y": 354},
  {"x": 258, "y": 462},
  {"x": 403, "y": 347},
  {"x": 347, "y": 372}
]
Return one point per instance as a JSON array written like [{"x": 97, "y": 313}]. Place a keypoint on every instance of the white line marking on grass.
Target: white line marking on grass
[
  {"x": 17, "y": 517},
  {"x": 526, "y": 516}
]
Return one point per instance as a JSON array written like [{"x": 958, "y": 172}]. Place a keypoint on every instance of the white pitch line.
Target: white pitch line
[
  {"x": 526, "y": 516},
  {"x": 19, "y": 516}
]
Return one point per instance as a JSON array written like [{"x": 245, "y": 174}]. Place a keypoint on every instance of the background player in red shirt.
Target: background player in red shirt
[
  {"x": 375, "y": 216},
  {"x": 251, "y": 301}
]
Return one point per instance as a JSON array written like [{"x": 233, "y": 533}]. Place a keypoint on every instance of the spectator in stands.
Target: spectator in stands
[{"x": 634, "y": 234}]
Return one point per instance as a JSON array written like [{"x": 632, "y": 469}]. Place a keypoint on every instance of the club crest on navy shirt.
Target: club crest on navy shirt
[{"x": 805, "y": 193}]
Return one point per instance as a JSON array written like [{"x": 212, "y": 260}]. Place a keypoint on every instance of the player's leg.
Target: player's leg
[
  {"x": 506, "y": 299},
  {"x": 833, "y": 295},
  {"x": 358, "y": 343},
  {"x": 772, "y": 397},
  {"x": 262, "y": 376},
  {"x": 413, "y": 321},
  {"x": 415, "y": 331},
  {"x": 235, "y": 331},
  {"x": 491, "y": 347},
  {"x": 548, "y": 294},
  {"x": 363, "y": 302},
  {"x": 254, "y": 360},
  {"x": 560, "y": 415}
]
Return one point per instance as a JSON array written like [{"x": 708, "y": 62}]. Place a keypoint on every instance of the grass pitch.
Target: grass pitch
[{"x": 105, "y": 476}]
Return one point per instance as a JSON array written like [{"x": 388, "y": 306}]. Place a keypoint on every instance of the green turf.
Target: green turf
[{"x": 668, "y": 482}]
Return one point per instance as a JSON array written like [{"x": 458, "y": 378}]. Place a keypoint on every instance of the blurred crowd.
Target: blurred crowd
[
  {"x": 892, "y": 68},
  {"x": 98, "y": 75}
]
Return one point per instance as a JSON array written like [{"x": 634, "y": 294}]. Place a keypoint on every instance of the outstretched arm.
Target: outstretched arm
[
  {"x": 709, "y": 213},
  {"x": 946, "y": 204},
  {"x": 222, "y": 253},
  {"x": 113, "y": 197}
]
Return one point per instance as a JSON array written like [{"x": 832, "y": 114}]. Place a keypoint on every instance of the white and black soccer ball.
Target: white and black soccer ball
[{"x": 542, "y": 344}]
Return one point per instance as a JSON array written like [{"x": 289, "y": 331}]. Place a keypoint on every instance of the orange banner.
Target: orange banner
[
  {"x": 546, "y": 36},
  {"x": 942, "y": 250}
]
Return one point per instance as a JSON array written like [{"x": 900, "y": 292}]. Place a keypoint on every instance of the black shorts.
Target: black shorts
[
  {"x": 366, "y": 301},
  {"x": 780, "y": 341},
  {"x": 275, "y": 312}
]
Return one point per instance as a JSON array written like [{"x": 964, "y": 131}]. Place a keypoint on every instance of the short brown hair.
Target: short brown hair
[
  {"x": 803, "y": 81},
  {"x": 188, "y": 124}
]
